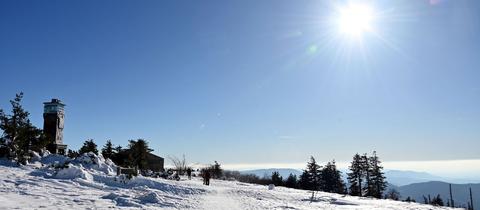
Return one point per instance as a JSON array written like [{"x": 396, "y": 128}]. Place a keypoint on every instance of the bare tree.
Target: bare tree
[{"x": 180, "y": 164}]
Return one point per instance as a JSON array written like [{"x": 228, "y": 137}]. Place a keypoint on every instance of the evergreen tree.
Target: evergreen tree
[
  {"x": 138, "y": 152},
  {"x": 217, "y": 170},
  {"x": 291, "y": 181},
  {"x": 315, "y": 174},
  {"x": 425, "y": 200},
  {"x": 38, "y": 140},
  {"x": 72, "y": 153},
  {"x": 118, "y": 149},
  {"x": 88, "y": 146},
  {"x": 19, "y": 135},
  {"x": 304, "y": 181},
  {"x": 277, "y": 180},
  {"x": 377, "y": 182},
  {"x": 367, "y": 171},
  {"x": 311, "y": 177},
  {"x": 437, "y": 201},
  {"x": 409, "y": 199},
  {"x": 355, "y": 176},
  {"x": 107, "y": 150},
  {"x": 331, "y": 179}
]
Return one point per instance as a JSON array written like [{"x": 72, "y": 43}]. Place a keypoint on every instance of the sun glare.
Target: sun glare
[{"x": 355, "y": 20}]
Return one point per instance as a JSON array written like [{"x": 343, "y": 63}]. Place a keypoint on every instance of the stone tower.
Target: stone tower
[{"x": 53, "y": 119}]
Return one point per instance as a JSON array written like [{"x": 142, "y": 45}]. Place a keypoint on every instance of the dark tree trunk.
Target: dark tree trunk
[
  {"x": 451, "y": 197},
  {"x": 471, "y": 199}
]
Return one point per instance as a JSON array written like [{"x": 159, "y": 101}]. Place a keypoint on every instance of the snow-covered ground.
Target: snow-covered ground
[{"x": 89, "y": 183}]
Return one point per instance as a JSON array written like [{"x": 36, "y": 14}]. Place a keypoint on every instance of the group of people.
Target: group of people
[{"x": 205, "y": 175}]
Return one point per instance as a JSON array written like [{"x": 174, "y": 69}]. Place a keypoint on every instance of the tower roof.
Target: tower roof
[{"x": 54, "y": 102}]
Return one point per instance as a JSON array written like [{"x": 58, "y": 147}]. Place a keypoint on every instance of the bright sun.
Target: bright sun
[{"x": 355, "y": 20}]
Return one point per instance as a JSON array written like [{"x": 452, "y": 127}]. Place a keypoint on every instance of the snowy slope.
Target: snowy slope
[{"x": 90, "y": 185}]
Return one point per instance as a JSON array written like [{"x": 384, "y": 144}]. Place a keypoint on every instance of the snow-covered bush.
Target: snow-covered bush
[{"x": 73, "y": 172}]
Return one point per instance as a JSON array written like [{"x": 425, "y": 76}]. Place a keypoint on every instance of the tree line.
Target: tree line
[
  {"x": 366, "y": 177},
  {"x": 134, "y": 155}
]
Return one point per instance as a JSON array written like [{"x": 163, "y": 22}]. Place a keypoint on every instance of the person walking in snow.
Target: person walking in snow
[
  {"x": 206, "y": 177},
  {"x": 189, "y": 173}
]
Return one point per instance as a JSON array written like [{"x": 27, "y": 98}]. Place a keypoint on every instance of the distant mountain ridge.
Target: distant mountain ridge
[
  {"x": 394, "y": 177},
  {"x": 460, "y": 192},
  {"x": 284, "y": 172},
  {"x": 400, "y": 178}
]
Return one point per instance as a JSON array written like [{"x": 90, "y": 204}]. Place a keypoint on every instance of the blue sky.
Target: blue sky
[{"x": 251, "y": 82}]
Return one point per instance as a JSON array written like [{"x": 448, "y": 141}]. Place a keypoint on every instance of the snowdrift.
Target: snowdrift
[
  {"x": 89, "y": 182},
  {"x": 73, "y": 172}
]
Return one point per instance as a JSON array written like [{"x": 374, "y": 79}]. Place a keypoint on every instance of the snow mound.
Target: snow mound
[
  {"x": 121, "y": 200},
  {"x": 73, "y": 172},
  {"x": 150, "y": 197},
  {"x": 54, "y": 160},
  {"x": 145, "y": 182},
  {"x": 84, "y": 166},
  {"x": 96, "y": 162}
]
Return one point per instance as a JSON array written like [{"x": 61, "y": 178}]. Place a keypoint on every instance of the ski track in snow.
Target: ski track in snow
[{"x": 30, "y": 188}]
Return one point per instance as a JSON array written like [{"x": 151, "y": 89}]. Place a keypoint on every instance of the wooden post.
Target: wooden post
[
  {"x": 471, "y": 198},
  {"x": 451, "y": 197}
]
